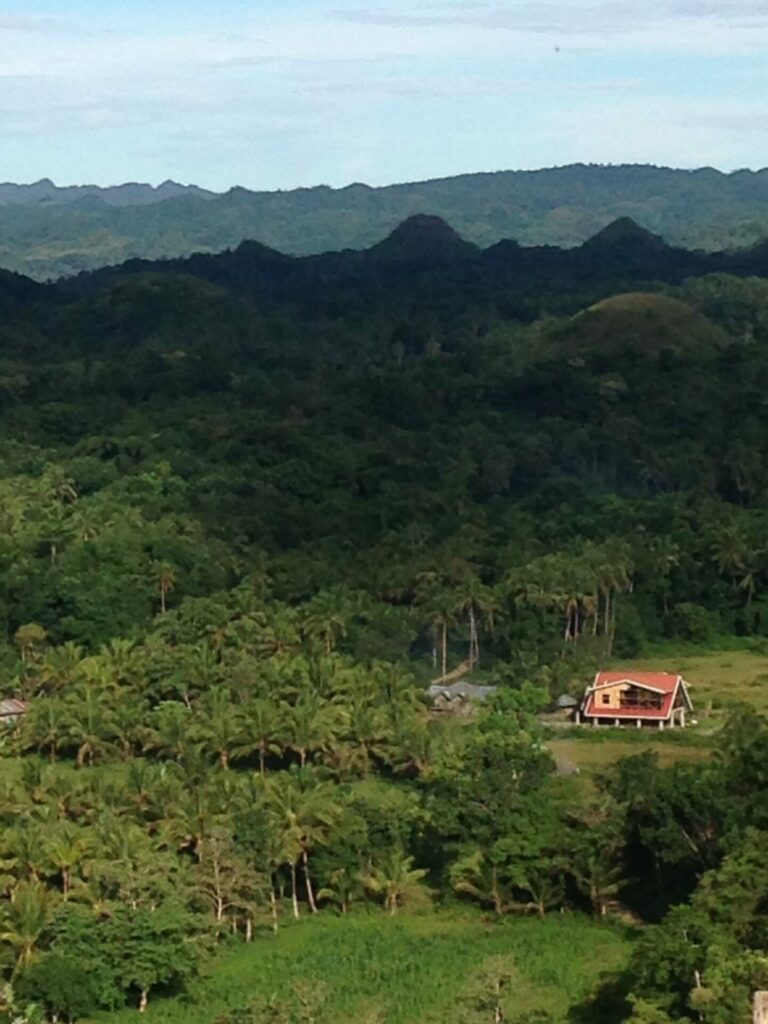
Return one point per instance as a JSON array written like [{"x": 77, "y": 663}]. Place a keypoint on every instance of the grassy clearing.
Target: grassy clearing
[
  {"x": 718, "y": 680},
  {"x": 405, "y": 970},
  {"x": 588, "y": 756}
]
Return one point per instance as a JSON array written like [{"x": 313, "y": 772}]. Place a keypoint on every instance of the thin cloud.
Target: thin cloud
[
  {"x": 36, "y": 25},
  {"x": 532, "y": 16}
]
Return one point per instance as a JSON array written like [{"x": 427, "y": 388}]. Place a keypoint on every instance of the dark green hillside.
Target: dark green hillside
[{"x": 46, "y": 232}]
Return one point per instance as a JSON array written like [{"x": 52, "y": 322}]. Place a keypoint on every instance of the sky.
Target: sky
[{"x": 283, "y": 93}]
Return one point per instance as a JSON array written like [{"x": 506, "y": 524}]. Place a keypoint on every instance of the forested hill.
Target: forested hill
[
  {"x": 252, "y": 504},
  {"x": 47, "y": 232},
  {"x": 426, "y": 265}
]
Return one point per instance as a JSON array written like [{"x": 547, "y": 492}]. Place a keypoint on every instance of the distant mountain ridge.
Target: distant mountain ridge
[
  {"x": 47, "y": 232},
  {"x": 130, "y": 193}
]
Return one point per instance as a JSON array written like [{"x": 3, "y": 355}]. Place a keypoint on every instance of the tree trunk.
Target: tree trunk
[
  {"x": 224, "y": 759},
  {"x": 143, "y": 1001},
  {"x": 262, "y": 759},
  {"x": 273, "y": 908},
  {"x": 445, "y": 649},
  {"x": 310, "y": 890},
  {"x": 294, "y": 894},
  {"x": 249, "y": 929},
  {"x": 497, "y": 904},
  {"x": 474, "y": 645}
]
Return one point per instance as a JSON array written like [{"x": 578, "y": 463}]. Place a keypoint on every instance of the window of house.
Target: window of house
[
  {"x": 637, "y": 698},
  {"x": 606, "y": 698}
]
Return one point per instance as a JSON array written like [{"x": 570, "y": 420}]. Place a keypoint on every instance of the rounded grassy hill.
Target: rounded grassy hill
[{"x": 642, "y": 322}]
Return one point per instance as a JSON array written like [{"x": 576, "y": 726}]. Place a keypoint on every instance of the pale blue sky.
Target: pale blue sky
[{"x": 272, "y": 94}]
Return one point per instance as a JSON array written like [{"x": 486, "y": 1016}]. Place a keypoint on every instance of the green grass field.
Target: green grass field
[
  {"x": 718, "y": 680},
  {"x": 405, "y": 970}
]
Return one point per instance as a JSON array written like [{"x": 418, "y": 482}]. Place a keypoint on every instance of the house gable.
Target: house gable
[{"x": 642, "y": 695}]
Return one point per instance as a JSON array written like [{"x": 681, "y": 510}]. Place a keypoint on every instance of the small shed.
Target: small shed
[
  {"x": 460, "y": 697},
  {"x": 566, "y": 705},
  {"x": 11, "y": 710}
]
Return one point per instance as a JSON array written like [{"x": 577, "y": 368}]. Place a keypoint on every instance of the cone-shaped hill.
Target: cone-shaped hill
[
  {"x": 423, "y": 239},
  {"x": 639, "y": 322},
  {"x": 625, "y": 234}
]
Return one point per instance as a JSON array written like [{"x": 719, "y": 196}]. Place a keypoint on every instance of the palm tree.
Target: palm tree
[
  {"x": 478, "y": 876},
  {"x": 218, "y": 724},
  {"x": 396, "y": 879},
  {"x": 614, "y": 575},
  {"x": 44, "y": 726},
  {"x": 165, "y": 575},
  {"x": 198, "y": 670},
  {"x": 325, "y": 619},
  {"x": 59, "y": 666},
  {"x": 128, "y": 715},
  {"x": 66, "y": 849},
  {"x": 194, "y": 818},
  {"x": 278, "y": 633},
  {"x": 27, "y": 915},
  {"x": 170, "y": 731},
  {"x": 89, "y": 722},
  {"x": 302, "y": 813},
  {"x": 260, "y": 728},
  {"x": 22, "y": 851},
  {"x": 366, "y": 729},
  {"x": 440, "y": 613},
  {"x": 665, "y": 554},
  {"x": 122, "y": 658},
  {"x": 476, "y": 601},
  {"x": 596, "y": 859},
  {"x": 311, "y": 724}
]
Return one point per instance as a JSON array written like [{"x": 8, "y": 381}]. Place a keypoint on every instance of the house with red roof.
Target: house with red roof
[{"x": 640, "y": 699}]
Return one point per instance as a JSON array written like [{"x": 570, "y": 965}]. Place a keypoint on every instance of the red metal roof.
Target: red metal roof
[
  {"x": 666, "y": 682},
  {"x": 661, "y": 682}
]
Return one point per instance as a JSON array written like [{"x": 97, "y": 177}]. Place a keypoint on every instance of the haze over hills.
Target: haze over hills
[{"x": 46, "y": 232}]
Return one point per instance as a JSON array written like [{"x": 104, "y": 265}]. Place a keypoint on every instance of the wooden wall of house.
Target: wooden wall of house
[{"x": 614, "y": 692}]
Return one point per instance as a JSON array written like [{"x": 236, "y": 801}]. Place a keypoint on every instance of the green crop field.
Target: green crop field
[{"x": 405, "y": 970}]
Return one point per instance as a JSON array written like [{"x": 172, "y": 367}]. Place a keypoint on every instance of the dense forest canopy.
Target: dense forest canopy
[
  {"x": 47, "y": 232},
  {"x": 252, "y": 504}
]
